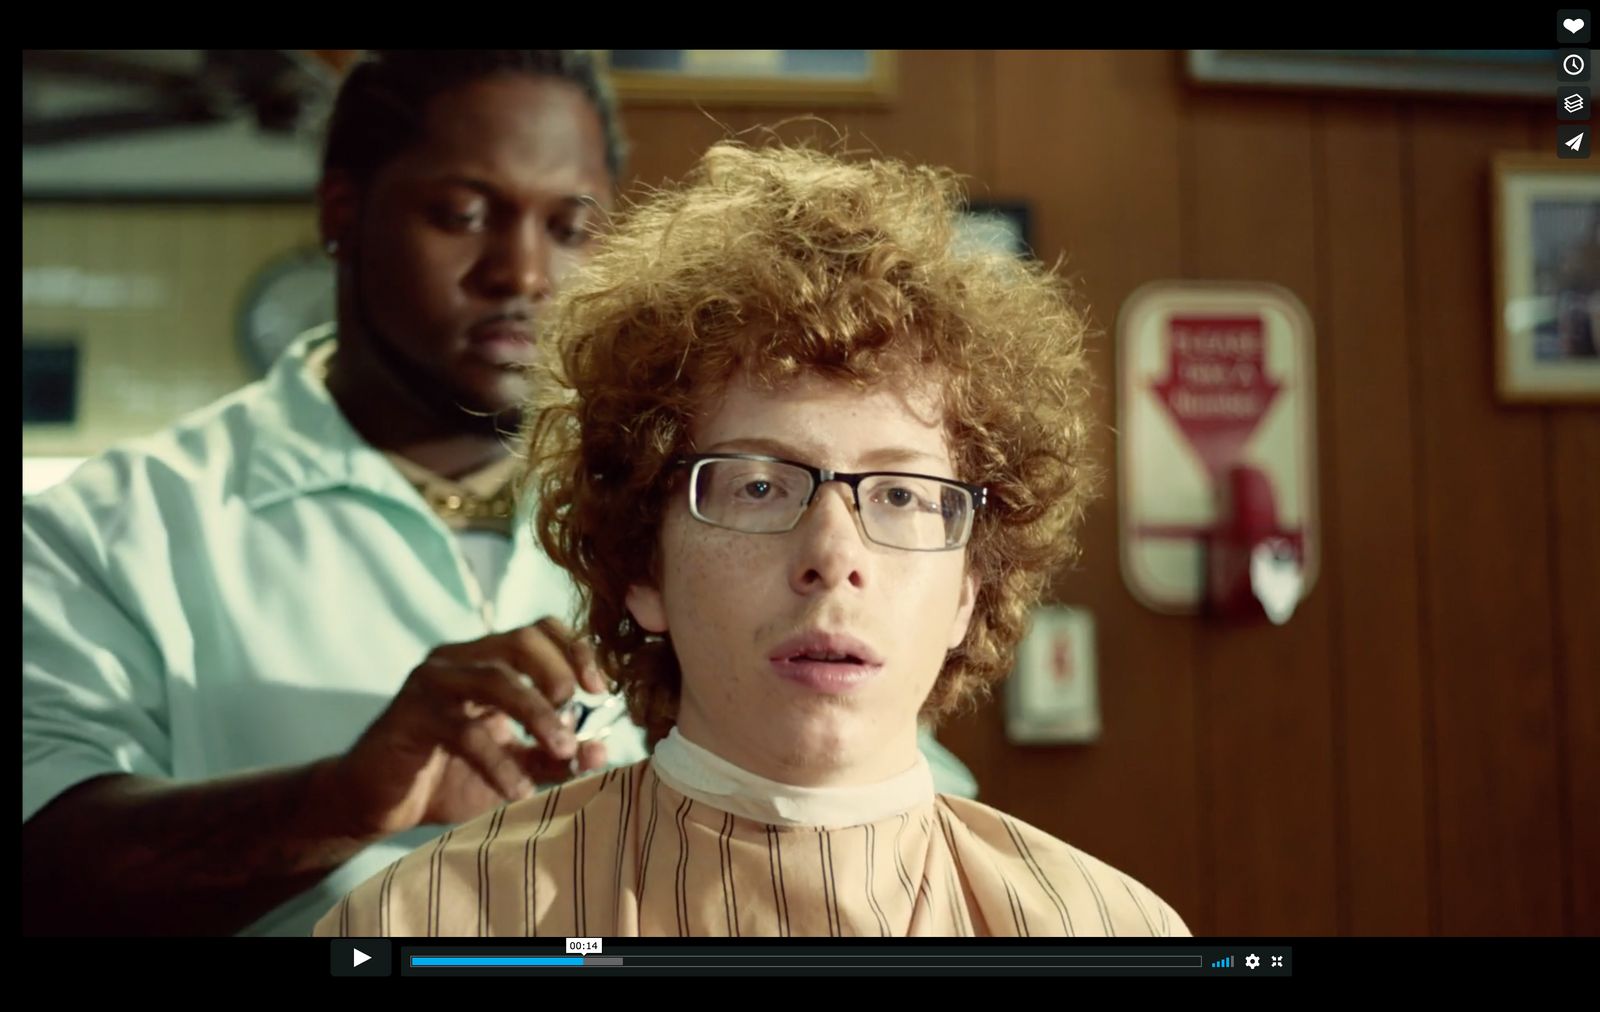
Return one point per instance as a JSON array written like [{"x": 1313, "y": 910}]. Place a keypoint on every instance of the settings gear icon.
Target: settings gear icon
[{"x": 1252, "y": 961}]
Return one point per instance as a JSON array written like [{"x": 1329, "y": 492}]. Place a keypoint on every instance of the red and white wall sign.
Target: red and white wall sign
[{"x": 1210, "y": 377}]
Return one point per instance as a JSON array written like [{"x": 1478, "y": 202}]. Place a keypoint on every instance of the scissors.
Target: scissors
[{"x": 590, "y": 720}]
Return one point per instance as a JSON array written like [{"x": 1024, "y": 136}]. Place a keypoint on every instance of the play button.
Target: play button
[{"x": 361, "y": 957}]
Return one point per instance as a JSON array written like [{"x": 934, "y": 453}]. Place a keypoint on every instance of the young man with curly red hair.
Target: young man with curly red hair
[{"x": 811, "y": 462}]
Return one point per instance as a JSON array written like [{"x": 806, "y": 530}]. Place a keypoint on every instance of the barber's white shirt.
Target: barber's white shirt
[{"x": 249, "y": 589}]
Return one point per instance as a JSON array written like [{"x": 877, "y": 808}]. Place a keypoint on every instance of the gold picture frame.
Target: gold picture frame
[
  {"x": 1546, "y": 213},
  {"x": 817, "y": 78}
]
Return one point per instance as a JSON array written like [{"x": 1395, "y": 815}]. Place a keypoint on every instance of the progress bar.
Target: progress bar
[
  {"x": 494, "y": 961},
  {"x": 652, "y": 959}
]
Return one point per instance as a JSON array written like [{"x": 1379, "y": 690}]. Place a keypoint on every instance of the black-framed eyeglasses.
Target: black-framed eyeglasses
[{"x": 758, "y": 494}]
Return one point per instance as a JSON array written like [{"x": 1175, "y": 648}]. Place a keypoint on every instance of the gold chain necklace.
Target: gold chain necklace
[{"x": 486, "y": 500}]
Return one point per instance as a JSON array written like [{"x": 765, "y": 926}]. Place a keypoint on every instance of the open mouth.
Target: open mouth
[
  {"x": 824, "y": 657},
  {"x": 826, "y": 662}
]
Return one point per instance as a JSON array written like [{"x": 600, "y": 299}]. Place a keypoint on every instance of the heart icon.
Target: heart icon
[{"x": 1573, "y": 25}]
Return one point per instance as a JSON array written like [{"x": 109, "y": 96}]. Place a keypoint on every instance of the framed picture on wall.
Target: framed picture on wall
[
  {"x": 998, "y": 225},
  {"x": 753, "y": 77},
  {"x": 1512, "y": 73},
  {"x": 1547, "y": 278},
  {"x": 50, "y": 373}
]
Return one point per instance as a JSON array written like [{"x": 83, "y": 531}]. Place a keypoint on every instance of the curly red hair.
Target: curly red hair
[{"x": 782, "y": 261}]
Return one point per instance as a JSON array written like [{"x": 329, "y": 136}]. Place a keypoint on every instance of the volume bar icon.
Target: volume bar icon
[{"x": 1224, "y": 963}]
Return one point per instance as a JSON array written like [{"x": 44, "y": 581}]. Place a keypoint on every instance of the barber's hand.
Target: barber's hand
[{"x": 447, "y": 749}]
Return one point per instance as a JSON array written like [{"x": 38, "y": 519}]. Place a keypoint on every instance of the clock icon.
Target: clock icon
[
  {"x": 288, "y": 297},
  {"x": 1573, "y": 64}
]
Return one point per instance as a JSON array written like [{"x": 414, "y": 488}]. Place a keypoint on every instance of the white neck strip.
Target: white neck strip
[{"x": 697, "y": 773}]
